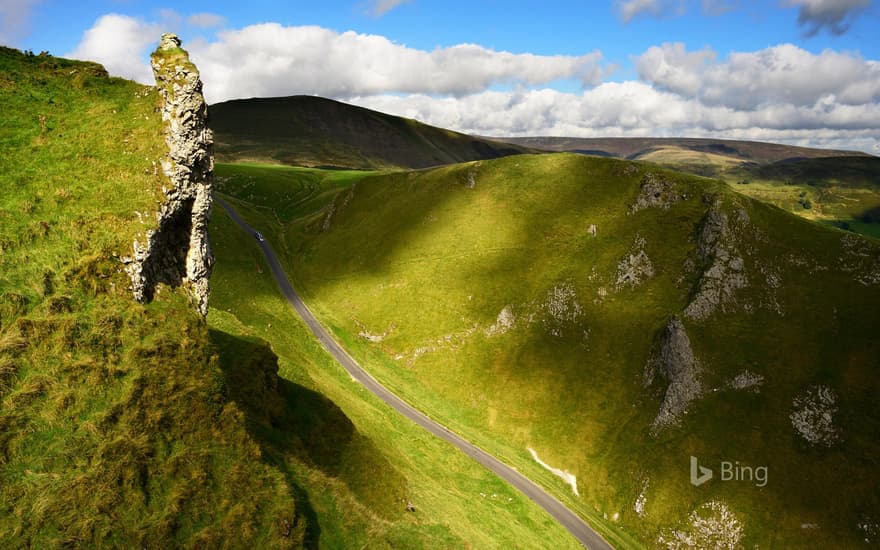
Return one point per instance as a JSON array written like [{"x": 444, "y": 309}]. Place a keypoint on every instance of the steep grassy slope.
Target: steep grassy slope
[
  {"x": 521, "y": 300},
  {"x": 359, "y": 463},
  {"x": 126, "y": 425},
  {"x": 115, "y": 427},
  {"x": 634, "y": 148},
  {"x": 838, "y": 188},
  {"x": 313, "y": 131}
]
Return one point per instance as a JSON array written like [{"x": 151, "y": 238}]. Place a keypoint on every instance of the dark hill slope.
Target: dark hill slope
[
  {"x": 634, "y": 148},
  {"x": 313, "y": 131},
  {"x": 125, "y": 425},
  {"x": 833, "y": 187},
  {"x": 615, "y": 319}
]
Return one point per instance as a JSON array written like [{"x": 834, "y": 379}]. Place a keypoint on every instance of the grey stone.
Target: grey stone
[
  {"x": 673, "y": 360},
  {"x": 178, "y": 252},
  {"x": 725, "y": 273},
  {"x": 655, "y": 192}
]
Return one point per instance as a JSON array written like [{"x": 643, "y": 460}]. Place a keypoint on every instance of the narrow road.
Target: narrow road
[{"x": 571, "y": 521}]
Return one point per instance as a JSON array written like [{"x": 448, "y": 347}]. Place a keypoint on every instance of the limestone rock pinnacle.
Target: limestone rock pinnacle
[{"x": 178, "y": 252}]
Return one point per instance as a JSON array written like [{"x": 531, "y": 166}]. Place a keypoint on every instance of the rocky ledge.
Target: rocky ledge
[{"x": 177, "y": 251}]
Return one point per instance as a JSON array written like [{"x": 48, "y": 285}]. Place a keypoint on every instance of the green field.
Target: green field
[
  {"x": 411, "y": 270},
  {"x": 365, "y": 461},
  {"x": 841, "y": 191},
  {"x": 129, "y": 425}
]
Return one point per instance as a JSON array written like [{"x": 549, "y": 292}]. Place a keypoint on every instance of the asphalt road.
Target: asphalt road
[{"x": 571, "y": 521}]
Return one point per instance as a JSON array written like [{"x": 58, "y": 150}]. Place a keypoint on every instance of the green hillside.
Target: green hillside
[
  {"x": 838, "y": 188},
  {"x": 318, "y": 132},
  {"x": 127, "y": 425},
  {"x": 614, "y": 319},
  {"x": 115, "y": 425}
]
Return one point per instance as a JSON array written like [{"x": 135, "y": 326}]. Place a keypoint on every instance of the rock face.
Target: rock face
[
  {"x": 712, "y": 525},
  {"x": 177, "y": 252},
  {"x": 674, "y": 361},
  {"x": 813, "y": 415},
  {"x": 636, "y": 266},
  {"x": 655, "y": 192},
  {"x": 726, "y": 268}
]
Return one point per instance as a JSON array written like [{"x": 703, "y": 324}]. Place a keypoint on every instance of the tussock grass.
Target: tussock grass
[
  {"x": 115, "y": 428},
  {"x": 429, "y": 262}
]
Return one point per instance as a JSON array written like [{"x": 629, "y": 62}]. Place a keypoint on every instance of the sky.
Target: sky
[{"x": 804, "y": 72}]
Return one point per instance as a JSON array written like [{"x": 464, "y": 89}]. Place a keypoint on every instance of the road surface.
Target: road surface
[{"x": 571, "y": 521}]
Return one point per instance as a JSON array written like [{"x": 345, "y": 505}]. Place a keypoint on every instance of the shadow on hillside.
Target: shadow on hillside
[{"x": 293, "y": 424}]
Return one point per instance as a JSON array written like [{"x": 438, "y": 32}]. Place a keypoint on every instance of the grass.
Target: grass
[
  {"x": 116, "y": 430},
  {"x": 126, "y": 425},
  {"x": 363, "y": 452},
  {"x": 427, "y": 261},
  {"x": 841, "y": 191},
  {"x": 319, "y": 132}
]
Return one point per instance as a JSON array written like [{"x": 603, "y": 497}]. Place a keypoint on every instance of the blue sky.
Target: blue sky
[{"x": 804, "y": 71}]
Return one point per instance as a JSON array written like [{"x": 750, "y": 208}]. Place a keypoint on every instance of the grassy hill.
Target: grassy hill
[
  {"x": 636, "y": 148},
  {"x": 318, "y": 132},
  {"x": 115, "y": 426},
  {"x": 838, "y": 188},
  {"x": 615, "y": 319},
  {"x": 129, "y": 425}
]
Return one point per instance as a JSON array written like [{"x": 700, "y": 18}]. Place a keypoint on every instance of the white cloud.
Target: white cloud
[
  {"x": 718, "y": 7},
  {"x": 206, "y": 20},
  {"x": 270, "y": 59},
  {"x": 14, "y": 19},
  {"x": 834, "y": 15},
  {"x": 635, "y": 109},
  {"x": 783, "y": 74},
  {"x": 381, "y": 7},
  {"x": 629, "y": 9},
  {"x": 782, "y": 93},
  {"x": 119, "y": 42}
]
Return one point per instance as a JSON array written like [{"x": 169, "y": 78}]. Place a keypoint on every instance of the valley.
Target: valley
[
  {"x": 534, "y": 343},
  {"x": 420, "y": 302}
]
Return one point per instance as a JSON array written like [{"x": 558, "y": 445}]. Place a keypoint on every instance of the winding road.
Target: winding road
[{"x": 571, "y": 521}]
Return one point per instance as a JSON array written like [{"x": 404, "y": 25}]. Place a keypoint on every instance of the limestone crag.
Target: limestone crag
[
  {"x": 636, "y": 267},
  {"x": 177, "y": 252},
  {"x": 655, "y": 191},
  {"x": 725, "y": 273},
  {"x": 674, "y": 361}
]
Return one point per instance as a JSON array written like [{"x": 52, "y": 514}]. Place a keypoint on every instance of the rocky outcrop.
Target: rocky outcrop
[
  {"x": 563, "y": 310},
  {"x": 812, "y": 416},
  {"x": 177, "y": 251},
  {"x": 711, "y": 525},
  {"x": 655, "y": 192},
  {"x": 725, "y": 273},
  {"x": 673, "y": 360},
  {"x": 636, "y": 267}
]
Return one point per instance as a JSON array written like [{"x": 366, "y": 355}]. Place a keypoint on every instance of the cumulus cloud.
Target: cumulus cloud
[
  {"x": 206, "y": 20},
  {"x": 782, "y": 93},
  {"x": 834, "y": 15},
  {"x": 783, "y": 74},
  {"x": 634, "y": 109},
  {"x": 379, "y": 8},
  {"x": 14, "y": 19},
  {"x": 271, "y": 59},
  {"x": 718, "y": 7},
  {"x": 629, "y": 9},
  {"x": 119, "y": 42}
]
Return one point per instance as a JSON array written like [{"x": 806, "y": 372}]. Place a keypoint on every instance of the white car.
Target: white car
[{"x": 259, "y": 236}]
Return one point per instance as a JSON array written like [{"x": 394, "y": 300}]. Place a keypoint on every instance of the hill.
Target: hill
[
  {"x": 837, "y": 188},
  {"x": 598, "y": 322},
  {"x": 638, "y": 148},
  {"x": 126, "y": 424},
  {"x": 318, "y": 132},
  {"x": 116, "y": 429}
]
